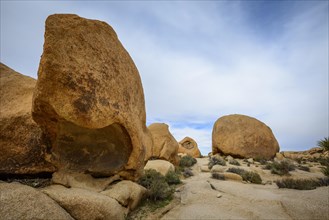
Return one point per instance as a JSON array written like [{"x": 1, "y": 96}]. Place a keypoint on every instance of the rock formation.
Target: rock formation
[
  {"x": 22, "y": 151},
  {"x": 311, "y": 154},
  {"x": 243, "y": 136},
  {"x": 161, "y": 166},
  {"x": 89, "y": 99},
  {"x": 164, "y": 146},
  {"x": 189, "y": 147}
]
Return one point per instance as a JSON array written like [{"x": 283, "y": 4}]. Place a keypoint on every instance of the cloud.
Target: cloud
[{"x": 200, "y": 61}]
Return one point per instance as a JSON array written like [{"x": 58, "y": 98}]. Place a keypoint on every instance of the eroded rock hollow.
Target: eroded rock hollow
[{"x": 89, "y": 99}]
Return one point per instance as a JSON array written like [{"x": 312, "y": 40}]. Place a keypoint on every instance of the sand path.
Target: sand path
[{"x": 199, "y": 199}]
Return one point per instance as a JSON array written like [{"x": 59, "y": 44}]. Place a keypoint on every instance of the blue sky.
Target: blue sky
[{"x": 200, "y": 60}]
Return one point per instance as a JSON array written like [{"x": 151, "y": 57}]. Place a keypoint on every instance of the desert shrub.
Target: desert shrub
[
  {"x": 216, "y": 161},
  {"x": 156, "y": 184},
  {"x": 261, "y": 160},
  {"x": 324, "y": 161},
  {"x": 324, "y": 143},
  {"x": 304, "y": 168},
  {"x": 172, "y": 178},
  {"x": 280, "y": 168},
  {"x": 187, "y": 161},
  {"x": 218, "y": 176},
  {"x": 234, "y": 162},
  {"x": 325, "y": 171},
  {"x": 249, "y": 176},
  {"x": 187, "y": 172},
  {"x": 302, "y": 184}
]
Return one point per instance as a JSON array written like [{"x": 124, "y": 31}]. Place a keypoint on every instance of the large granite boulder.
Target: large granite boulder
[
  {"x": 19, "y": 201},
  {"x": 161, "y": 166},
  {"x": 21, "y": 147},
  {"x": 164, "y": 146},
  {"x": 190, "y": 147},
  {"x": 89, "y": 99},
  {"x": 243, "y": 136},
  {"x": 84, "y": 204}
]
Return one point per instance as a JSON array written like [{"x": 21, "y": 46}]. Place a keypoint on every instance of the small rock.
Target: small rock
[
  {"x": 218, "y": 169},
  {"x": 250, "y": 160},
  {"x": 219, "y": 195},
  {"x": 204, "y": 168},
  {"x": 161, "y": 166}
]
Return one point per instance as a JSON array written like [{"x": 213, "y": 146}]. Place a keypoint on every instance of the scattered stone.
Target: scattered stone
[
  {"x": 204, "y": 168},
  {"x": 84, "y": 204},
  {"x": 127, "y": 193},
  {"x": 89, "y": 99},
  {"x": 19, "y": 201},
  {"x": 229, "y": 158},
  {"x": 232, "y": 176},
  {"x": 219, "y": 195},
  {"x": 279, "y": 156},
  {"x": 21, "y": 146},
  {"x": 250, "y": 160},
  {"x": 161, "y": 166},
  {"x": 190, "y": 147},
  {"x": 243, "y": 136},
  {"x": 218, "y": 169},
  {"x": 165, "y": 146},
  {"x": 81, "y": 180}
]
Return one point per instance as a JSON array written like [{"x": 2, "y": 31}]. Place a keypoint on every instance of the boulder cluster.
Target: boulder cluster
[{"x": 83, "y": 121}]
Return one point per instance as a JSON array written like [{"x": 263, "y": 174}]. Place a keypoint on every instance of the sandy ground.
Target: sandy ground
[{"x": 201, "y": 197}]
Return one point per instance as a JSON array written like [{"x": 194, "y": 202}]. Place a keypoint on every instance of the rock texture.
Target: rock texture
[
  {"x": 313, "y": 153},
  {"x": 22, "y": 151},
  {"x": 127, "y": 193},
  {"x": 18, "y": 201},
  {"x": 84, "y": 181},
  {"x": 84, "y": 204},
  {"x": 89, "y": 99},
  {"x": 243, "y": 136},
  {"x": 165, "y": 146},
  {"x": 189, "y": 147},
  {"x": 161, "y": 166}
]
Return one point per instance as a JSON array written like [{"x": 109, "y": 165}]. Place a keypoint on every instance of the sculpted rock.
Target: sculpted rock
[
  {"x": 243, "y": 136},
  {"x": 19, "y": 201},
  {"x": 127, "y": 193},
  {"x": 22, "y": 151},
  {"x": 190, "y": 147},
  {"x": 89, "y": 99},
  {"x": 84, "y": 204},
  {"x": 81, "y": 180},
  {"x": 232, "y": 176},
  {"x": 161, "y": 166},
  {"x": 165, "y": 146}
]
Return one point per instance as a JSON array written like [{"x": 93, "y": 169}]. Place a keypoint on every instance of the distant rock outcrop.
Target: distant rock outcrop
[
  {"x": 243, "y": 136},
  {"x": 164, "y": 146},
  {"x": 190, "y": 147},
  {"x": 21, "y": 149},
  {"x": 311, "y": 154},
  {"x": 89, "y": 99}
]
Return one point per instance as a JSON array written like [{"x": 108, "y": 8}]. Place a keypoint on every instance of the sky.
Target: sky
[{"x": 201, "y": 60}]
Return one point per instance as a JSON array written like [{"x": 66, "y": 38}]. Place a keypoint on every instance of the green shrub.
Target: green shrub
[
  {"x": 172, "y": 178},
  {"x": 324, "y": 161},
  {"x": 324, "y": 143},
  {"x": 302, "y": 184},
  {"x": 280, "y": 168},
  {"x": 187, "y": 172},
  {"x": 156, "y": 184},
  {"x": 216, "y": 161},
  {"x": 187, "y": 161},
  {"x": 249, "y": 176},
  {"x": 234, "y": 162},
  {"x": 261, "y": 160},
  {"x": 304, "y": 168},
  {"x": 218, "y": 176}
]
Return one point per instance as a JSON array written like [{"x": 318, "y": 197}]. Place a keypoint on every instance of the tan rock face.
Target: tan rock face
[
  {"x": 190, "y": 147},
  {"x": 161, "y": 166},
  {"x": 89, "y": 99},
  {"x": 312, "y": 153},
  {"x": 21, "y": 147},
  {"x": 243, "y": 136},
  {"x": 19, "y": 201},
  {"x": 164, "y": 146}
]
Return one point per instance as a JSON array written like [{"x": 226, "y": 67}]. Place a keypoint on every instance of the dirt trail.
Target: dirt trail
[{"x": 202, "y": 197}]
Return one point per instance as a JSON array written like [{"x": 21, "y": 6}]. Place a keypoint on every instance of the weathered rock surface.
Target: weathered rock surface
[
  {"x": 190, "y": 147},
  {"x": 22, "y": 151},
  {"x": 161, "y": 166},
  {"x": 243, "y": 136},
  {"x": 84, "y": 204},
  {"x": 164, "y": 146},
  {"x": 84, "y": 181},
  {"x": 19, "y": 201},
  {"x": 313, "y": 153},
  {"x": 127, "y": 193},
  {"x": 218, "y": 169},
  {"x": 232, "y": 176},
  {"x": 89, "y": 99}
]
